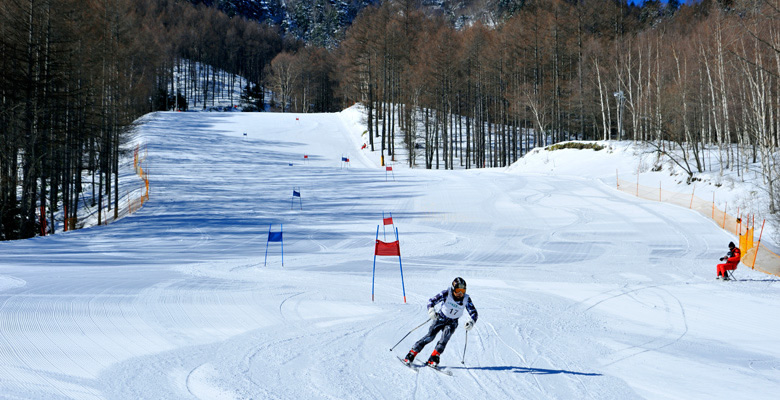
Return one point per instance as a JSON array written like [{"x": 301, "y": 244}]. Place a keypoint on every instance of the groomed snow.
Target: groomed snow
[{"x": 582, "y": 291}]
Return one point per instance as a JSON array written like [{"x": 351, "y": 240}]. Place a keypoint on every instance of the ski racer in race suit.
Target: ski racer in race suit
[
  {"x": 732, "y": 259},
  {"x": 454, "y": 301}
]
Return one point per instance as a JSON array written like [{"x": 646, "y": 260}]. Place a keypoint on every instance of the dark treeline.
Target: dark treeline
[
  {"x": 75, "y": 74},
  {"x": 685, "y": 77},
  {"x": 484, "y": 95}
]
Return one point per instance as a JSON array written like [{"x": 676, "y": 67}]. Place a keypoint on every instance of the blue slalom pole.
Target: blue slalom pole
[
  {"x": 400, "y": 265},
  {"x": 281, "y": 230},
  {"x": 265, "y": 263},
  {"x": 373, "y": 274}
]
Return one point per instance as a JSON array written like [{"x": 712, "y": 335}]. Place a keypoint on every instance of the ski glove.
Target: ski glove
[
  {"x": 431, "y": 313},
  {"x": 468, "y": 325},
  {"x": 722, "y": 258}
]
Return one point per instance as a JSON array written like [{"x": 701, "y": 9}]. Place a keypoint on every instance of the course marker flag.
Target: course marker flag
[
  {"x": 389, "y": 169},
  {"x": 296, "y": 193},
  {"x": 274, "y": 237},
  {"x": 387, "y": 249},
  {"x": 385, "y": 222}
]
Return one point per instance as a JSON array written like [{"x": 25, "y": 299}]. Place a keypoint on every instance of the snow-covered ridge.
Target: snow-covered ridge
[{"x": 637, "y": 162}]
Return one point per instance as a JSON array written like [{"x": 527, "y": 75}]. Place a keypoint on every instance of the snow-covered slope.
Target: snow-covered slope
[{"x": 582, "y": 291}]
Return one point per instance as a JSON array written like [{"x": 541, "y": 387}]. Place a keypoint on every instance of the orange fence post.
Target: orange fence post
[
  {"x": 758, "y": 246},
  {"x": 692, "y": 192},
  {"x": 713, "y": 205},
  {"x": 739, "y": 223},
  {"x": 637, "y": 181}
]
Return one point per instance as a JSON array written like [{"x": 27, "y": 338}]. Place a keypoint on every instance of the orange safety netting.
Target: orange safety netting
[
  {"x": 133, "y": 204},
  {"x": 138, "y": 160},
  {"x": 754, "y": 254}
]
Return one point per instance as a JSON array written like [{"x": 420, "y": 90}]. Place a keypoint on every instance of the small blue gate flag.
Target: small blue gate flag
[
  {"x": 274, "y": 236},
  {"x": 296, "y": 193},
  {"x": 345, "y": 159}
]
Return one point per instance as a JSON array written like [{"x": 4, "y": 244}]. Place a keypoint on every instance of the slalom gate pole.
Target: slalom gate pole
[
  {"x": 373, "y": 273},
  {"x": 463, "y": 361},
  {"x": 410, "y": 332},
  {"x": 281, "y": 230},
  {"x": 265, "y": 263},
  {"x": 400, "y": 265}
]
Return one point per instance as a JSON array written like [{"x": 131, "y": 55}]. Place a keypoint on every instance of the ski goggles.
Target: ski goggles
[{"x": 459, "y": 291}]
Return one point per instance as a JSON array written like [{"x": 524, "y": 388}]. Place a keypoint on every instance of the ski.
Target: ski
[
  {"x": 411, "y": 366},
  {"x": 439, "y": 369}
]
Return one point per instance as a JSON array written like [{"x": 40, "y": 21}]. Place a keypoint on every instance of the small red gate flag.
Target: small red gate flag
[{"x": 388, "y": 221}]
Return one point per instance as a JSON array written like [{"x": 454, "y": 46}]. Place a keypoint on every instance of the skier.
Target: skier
[
  {"x": 732, "y": 259},
  {"x": 454, "y": 300}
]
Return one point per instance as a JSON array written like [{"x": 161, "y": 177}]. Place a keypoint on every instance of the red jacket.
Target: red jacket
[{"x": 734, "y": 256}]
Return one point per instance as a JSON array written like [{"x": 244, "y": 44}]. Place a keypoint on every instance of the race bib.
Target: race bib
[{"x": 451, "y": 309}]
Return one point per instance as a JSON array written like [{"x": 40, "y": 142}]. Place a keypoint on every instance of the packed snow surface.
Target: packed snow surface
[{"x": 582, "y": 291}]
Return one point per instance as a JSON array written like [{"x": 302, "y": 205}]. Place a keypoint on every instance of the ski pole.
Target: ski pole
[
  {"x": 410, "y": 332},
  {"x": 463, "y": 361}
]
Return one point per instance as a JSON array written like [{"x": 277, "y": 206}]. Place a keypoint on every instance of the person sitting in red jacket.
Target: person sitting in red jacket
[{"x": 732, "y": 259}]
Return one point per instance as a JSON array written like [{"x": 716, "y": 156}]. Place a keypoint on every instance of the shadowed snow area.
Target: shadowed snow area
[{"x": 582, "y": 291}]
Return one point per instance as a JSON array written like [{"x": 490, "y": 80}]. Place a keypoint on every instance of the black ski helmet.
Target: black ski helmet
[{"x": 458, "y": 283}]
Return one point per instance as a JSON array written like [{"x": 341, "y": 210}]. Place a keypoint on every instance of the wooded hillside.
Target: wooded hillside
[{"x": 74, "y": 75}]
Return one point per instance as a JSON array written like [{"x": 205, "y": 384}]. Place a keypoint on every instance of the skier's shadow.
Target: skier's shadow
[{"x": 524, "y": 370}]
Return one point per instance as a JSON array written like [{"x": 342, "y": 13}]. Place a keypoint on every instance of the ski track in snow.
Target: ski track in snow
[{"x": 583, "y": 291}]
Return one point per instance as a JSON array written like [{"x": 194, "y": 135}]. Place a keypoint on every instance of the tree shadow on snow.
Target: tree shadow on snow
[{"x": 524, "y": 370}]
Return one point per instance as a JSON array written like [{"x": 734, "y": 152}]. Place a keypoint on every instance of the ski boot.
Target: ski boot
[
  {"x": 410, "y": 357},
  {"x": 433, "y": 360}
]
